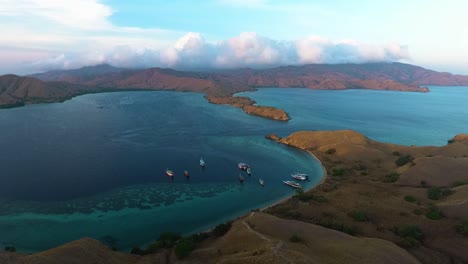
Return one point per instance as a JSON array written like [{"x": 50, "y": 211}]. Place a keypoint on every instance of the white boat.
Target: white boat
[
  {"x": 243, "y": 165},
  {"x": 249, "y": 172},
  {"x": 262, "y": 182},
  {"x": 169, "y": 172},
  {"x": 293, "y": 184},
  {"x": 300, "y": 176},
  {"x": 202, "y": 163},
  {"x": 186, "y": 173}
]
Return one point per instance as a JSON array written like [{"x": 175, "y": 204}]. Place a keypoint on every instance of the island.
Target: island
[{"x": 378, "y": 203}]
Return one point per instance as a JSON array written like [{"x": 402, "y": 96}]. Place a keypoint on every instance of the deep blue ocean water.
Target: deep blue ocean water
[{"x": 94, "y": 165}]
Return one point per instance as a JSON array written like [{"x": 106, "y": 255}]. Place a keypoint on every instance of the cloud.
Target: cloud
[{"x": 41, "y": 35}]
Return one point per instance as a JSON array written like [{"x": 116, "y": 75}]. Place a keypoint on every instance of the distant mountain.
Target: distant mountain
[
  {"x": 63, "y": 84},
  {"x": 17, "y": 91}
]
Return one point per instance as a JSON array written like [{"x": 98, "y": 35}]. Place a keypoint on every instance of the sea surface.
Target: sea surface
[{"x": 94, "y": 165}]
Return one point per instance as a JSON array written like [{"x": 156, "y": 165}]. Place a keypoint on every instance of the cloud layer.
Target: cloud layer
[
  {"x": 41, "y": 35},
  {"x": 193, "y": 52}
]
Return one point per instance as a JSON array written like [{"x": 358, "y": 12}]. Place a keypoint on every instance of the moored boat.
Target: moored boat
[
  {"x": 243, "y": 165},
  {"x": 186, "y": 173},
  {"x": 202, "y": 163},
  {"x": 262, "y": 182},
  {"x": 300, "y": 176},
  {"x": 293, "y": 184},
  {"x": 169, "y": 172},
  {"x": 249, "y": 172}
]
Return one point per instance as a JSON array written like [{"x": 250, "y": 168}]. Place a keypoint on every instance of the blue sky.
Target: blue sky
[{"x": 39, "y": 35}]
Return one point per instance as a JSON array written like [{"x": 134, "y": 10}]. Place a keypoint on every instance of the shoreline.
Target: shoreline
[{"x": 322, "y": 180}]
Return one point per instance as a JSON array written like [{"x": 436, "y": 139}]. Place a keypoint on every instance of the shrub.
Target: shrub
[
  {"x": 350, "y": 230},
  {"x": 462, "y": 228},
  {"x": 137, "y": 251},
  {"x": 434, "y": 213},
  {"x": 10, "y": 249},
  {"x": 296, "y": 239},
  {"x": 184, "y": 247},
  {"x": 436, "y": 193},
  {"x": 459, "y": 183},
  {"x": 392, "y": 177},
  {"x": 222, "y": 229},
  {"x": 410, "y": 198},
  {"x": 396, "y": 153},
  {"x": 403, "y": 160},
  {"x": 331, "y": 151},
  {"x": 359, "y": 216},
  {"x": 411, "y": 235},
  {"x": 338, "y": 172},
  {"x": 450, "y": 141},
  {"x": 302, "y": 196},
  {"x": 168, "y": 239},
  {"x": 418, "y": 211}
]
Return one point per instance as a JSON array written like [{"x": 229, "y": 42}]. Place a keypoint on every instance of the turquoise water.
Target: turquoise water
[
  {"x": 94, "y": 165},
  {"x": 396, "y": 117}
]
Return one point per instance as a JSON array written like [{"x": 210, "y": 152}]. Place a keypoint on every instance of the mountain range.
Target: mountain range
[{"x": 219, "y": 86}]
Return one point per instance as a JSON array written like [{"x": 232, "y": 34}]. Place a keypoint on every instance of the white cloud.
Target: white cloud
[{"x": 40, "y": 35}]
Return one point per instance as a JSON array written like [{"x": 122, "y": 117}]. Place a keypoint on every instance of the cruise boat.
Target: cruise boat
[
  {"x": 293, "y": 184},
  {"x": 243, "y": 166},
  {"x": 202, "y": 163},
  {"x": 300, "y": 176},
  {"x": 169, "y": 172}
]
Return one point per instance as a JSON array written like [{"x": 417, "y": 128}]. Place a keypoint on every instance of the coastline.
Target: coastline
[{"x": 322, "y": 181}]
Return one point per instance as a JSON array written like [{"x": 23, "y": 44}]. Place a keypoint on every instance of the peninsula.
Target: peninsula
[
  {"x": 379, "y": 203},
  {"x": 220, "y": 86}
]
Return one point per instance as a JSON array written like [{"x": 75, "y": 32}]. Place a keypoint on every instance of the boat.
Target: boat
[
  {"x": 262, "y": 182},
  {"x": 249, "y": 172},
  {"x": 241, "y": 179},
  {"x": 186, "y": 173},
  {"x": 293, "y": 184},
  {"x": 169, "y": 172},
  {"x": 202, "y": 163},
  {"x": 243, "y": 165},
  {"x": 300, "y": 176}
]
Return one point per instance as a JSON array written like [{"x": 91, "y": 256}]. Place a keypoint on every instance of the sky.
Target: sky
[{"x": 42, "y": 35}]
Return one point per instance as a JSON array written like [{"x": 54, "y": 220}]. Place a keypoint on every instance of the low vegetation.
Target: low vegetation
[
  {"x": 412, "y": 236},
  {"x": 403, "y": 160},
  {"x": 182, "y": 246},
  {"x": 437, "y": 193},
  {"x": 410, "y": 198},
  {"x": 10, "y": 249},
  {"x": 434, "y": 213},
  {"x": 462, "y": 228},
  {"x": 331, "y": 151},
  {"x": 305, "y": 197},
  {"x": 296, "y": 239},
  {"x": 338, "y": 172},
  {"x": 359, "y": 216},
  {"x": 459, "y": 183},
  {"x": 392, "y": 177},
  {"x": 330, "y": 223}
]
